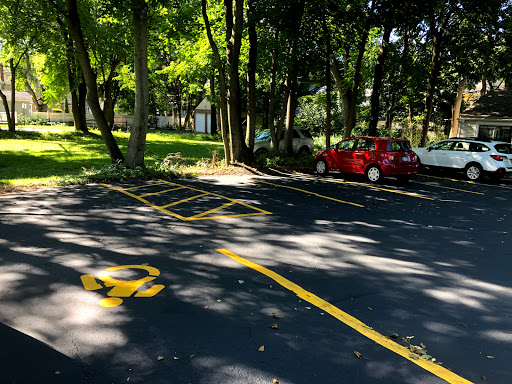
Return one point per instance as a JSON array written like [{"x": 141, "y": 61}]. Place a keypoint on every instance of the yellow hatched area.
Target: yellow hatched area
[{"x": 169, "y": 189}]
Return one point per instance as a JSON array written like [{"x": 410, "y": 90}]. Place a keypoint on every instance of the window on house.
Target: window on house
[{"x": 494, "y": 132}]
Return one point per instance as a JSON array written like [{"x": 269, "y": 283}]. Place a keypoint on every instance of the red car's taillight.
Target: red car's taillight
[{"x": 498, "y": 157}]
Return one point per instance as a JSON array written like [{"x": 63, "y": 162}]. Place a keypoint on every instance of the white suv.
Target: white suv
[
  {"x": 475, "y": 156},
  {"x": 302, "y": 142}
]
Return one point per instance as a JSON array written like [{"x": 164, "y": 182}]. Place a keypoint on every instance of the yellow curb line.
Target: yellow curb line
[{"x": 352, "y": 322}]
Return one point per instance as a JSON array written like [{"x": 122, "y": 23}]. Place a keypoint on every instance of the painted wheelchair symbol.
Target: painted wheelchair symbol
[{"x": 122, "y": 288}]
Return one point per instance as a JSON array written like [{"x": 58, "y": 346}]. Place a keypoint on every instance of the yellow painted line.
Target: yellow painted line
[
  {"x": 309, "y": 193},
  {"x": 351, "y": 321},
  {"x": 163, "y": 209},
  {"x": 212, "y": 210},
  {"x": 467, "y": 181},
  {"x": 146, "y": 202},
  {"x": 184, "y": 200},
  {"x": 383, "y": 189},
  {"x": 224, "y": 197},
  {"x": 159, "y": 192},
  {"x": 141, "y": 186},
  {"x": 443, "y": 187},
  {"x": 369, "y": 186},
  {"x": 227, "y": 216}
]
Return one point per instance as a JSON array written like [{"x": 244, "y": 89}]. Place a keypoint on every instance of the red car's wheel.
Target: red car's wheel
[
  {"x": 373, "y": 173},
  {"x": 321, "y": 167}
]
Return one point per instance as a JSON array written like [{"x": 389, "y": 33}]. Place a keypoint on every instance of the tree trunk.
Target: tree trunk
[
  {"x": 222, "y": 85},
  {"x": 213, "y": 122},
  {"x": 137, "y": 142},
  {"x": 274, "y": 143},
  {"x": 81, "y": 124},
  {"x": 288, "y": 105},
  {"x": 328, "y": 107},
  {"x": 487, "y": 55},
  {"x": 434, "y": 70},
  {"x": 179, "y": 105},
  {"x": 108, "y": 87},
  {"x": 38, "y": 101},
  {"x": 377, "y": 82},
  {"x": 251, "y": 77},
  {"x": 77, "y": 99},
  {"x": 456, "y": 108},
  {"x": 239, "y": 151},
  {"x": 7, "y": 111},
  {"x": 290, "y": 108},
  {"x": 390, "y": 112},
  {"x": 338, "y": 80},
  {"x": 75, "y": 28},
  {"x": 12, "y": 121},
  {"x": 351, "y": 115}
]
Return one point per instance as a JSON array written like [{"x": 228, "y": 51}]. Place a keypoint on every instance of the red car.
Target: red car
[{"x": 374, "y": 157}]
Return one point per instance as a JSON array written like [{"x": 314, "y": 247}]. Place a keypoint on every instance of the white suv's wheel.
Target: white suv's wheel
[{"x": 473, "y": 171}]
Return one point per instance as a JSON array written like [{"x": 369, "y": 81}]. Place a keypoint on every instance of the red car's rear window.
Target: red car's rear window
[{"x": 396, "y": 146}]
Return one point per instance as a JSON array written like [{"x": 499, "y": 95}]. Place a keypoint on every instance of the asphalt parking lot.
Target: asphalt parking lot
[{"x": 291, "y": 279}]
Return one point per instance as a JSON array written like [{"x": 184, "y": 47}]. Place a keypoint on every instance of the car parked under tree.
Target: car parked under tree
[
  {"x": 374, "y": 157},
  {"x": 474, "y": 156}
]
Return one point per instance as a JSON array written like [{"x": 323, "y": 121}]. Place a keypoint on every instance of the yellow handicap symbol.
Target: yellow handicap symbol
[{"x": 122, "y": 288}]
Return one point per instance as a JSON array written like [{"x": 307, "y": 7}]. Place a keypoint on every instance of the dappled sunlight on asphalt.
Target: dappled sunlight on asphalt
[{"x": 421, "y": 277}]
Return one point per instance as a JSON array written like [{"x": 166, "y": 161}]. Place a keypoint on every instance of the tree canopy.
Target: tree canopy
[{"x": 335, "y": 66}]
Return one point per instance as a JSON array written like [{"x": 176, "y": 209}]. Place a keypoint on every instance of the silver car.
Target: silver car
[
  {"x": 475, "y": 156},
  {"x": 302, "y": 142}
]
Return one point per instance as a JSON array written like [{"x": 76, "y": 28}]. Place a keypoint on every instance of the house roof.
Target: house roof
[
  {"x": 496, "y": 103},
  {"x": 20, "y": 96}
]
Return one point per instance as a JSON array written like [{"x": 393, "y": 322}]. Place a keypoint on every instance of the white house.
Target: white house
[
  {"x": 203, "y": 118},
  {"x": 489, "y": 117}
]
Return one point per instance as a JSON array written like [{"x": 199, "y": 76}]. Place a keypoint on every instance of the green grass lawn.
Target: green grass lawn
[{"x": 63, "y": 156}]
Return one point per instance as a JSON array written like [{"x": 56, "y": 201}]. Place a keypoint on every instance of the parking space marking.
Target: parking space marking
[
  {"x": 141, "y": 186},
  {"x": 200, "y": 193},
  {"x": 184, "y": 200},
  {"x": 368, "y": 186},
  {"x": 351, "y": 321},
  {"x": 443, "y": 187},
  {"x": 309, "y": 193},
  {"x": 159, "y": 192},
  {"x": 465, "y": 181},
  {"x": 384, "y": 189}
]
